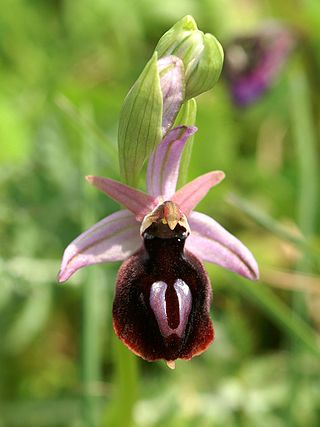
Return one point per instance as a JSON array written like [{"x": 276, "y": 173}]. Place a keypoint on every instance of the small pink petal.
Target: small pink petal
[
  {"x": 192, "y": 193},
  {"x": 112, "y": 239},
  {"x": 163, "y": 166},
  {"x": 136, "y": 201},
  {"x": 171, "y": 71},
  {"x": 211, "y": 242}
]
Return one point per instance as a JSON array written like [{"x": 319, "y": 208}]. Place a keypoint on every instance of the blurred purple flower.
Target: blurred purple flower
[
  {"x": 253, "y": 62},
  {"x": 163, "y": 293}
]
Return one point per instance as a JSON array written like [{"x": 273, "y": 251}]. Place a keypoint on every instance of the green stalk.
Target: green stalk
[
  {"x": 305, "y": 143},
  {"x": 120, "y": 410},
  {"x": 91, "y": 300},
  {"x": 304, "y": 243},
  {"x": 90, "y": 349},
  {"x": 294, "y": 322},
  {"x": 280, "y": 314},
  {"x": 86, "y": 124}
]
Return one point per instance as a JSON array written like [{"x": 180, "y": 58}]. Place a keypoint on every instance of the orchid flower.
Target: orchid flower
[
  {"x": 253, "y": 62},
  {"x": 163, "y": 293}
]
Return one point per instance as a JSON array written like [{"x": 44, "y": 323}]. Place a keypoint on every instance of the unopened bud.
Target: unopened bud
[{"x": 202, "y": 55}]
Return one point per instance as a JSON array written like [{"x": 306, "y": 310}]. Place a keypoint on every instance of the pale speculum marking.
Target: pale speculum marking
[{"x": 171, "y": 306}]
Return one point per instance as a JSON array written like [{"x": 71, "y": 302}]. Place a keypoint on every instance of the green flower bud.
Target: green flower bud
[
  {"x": 202, "y": 55},
  {"x": 148, "y": 112}
]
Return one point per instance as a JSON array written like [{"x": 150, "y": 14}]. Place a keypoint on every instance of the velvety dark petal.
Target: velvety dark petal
[{"x": 161, "y": 309}]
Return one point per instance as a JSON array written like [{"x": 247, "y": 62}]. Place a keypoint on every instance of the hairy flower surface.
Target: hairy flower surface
[{"x": 163, "y": 293}]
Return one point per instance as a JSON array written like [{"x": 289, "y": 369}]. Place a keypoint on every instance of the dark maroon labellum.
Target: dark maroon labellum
[{"x": 162, "y": 300}]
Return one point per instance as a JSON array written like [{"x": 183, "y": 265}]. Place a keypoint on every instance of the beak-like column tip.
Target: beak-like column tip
[
  {"x": 90, "y": 178},
  {"x": 172, "y": 223}
]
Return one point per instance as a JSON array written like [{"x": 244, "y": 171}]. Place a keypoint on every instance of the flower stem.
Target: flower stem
[
  {"x": 120, "y": 410},
  {"x": 305, "y": 142},
  {"x": 90, "y": 349},
  {"x": 91, "y": 300},
  {"x": 280, "y": 314}
]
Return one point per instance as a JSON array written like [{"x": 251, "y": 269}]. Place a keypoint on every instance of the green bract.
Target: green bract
[
  {"x": 201, "y": 54},
  {"x": 189, "y": 64},
  {"x": 187, "y": 116},
  {"x": 140, "y": 122}
]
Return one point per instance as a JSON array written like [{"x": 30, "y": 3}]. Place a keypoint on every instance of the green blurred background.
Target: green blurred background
[{"x": 65, "y": 67}]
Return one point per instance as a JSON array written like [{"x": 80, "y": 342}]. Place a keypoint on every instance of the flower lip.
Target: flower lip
[
  {"x": 117, "y": 237},
  {"x": 162, "y": 301},
  {"x": 164, "y": 218}
]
